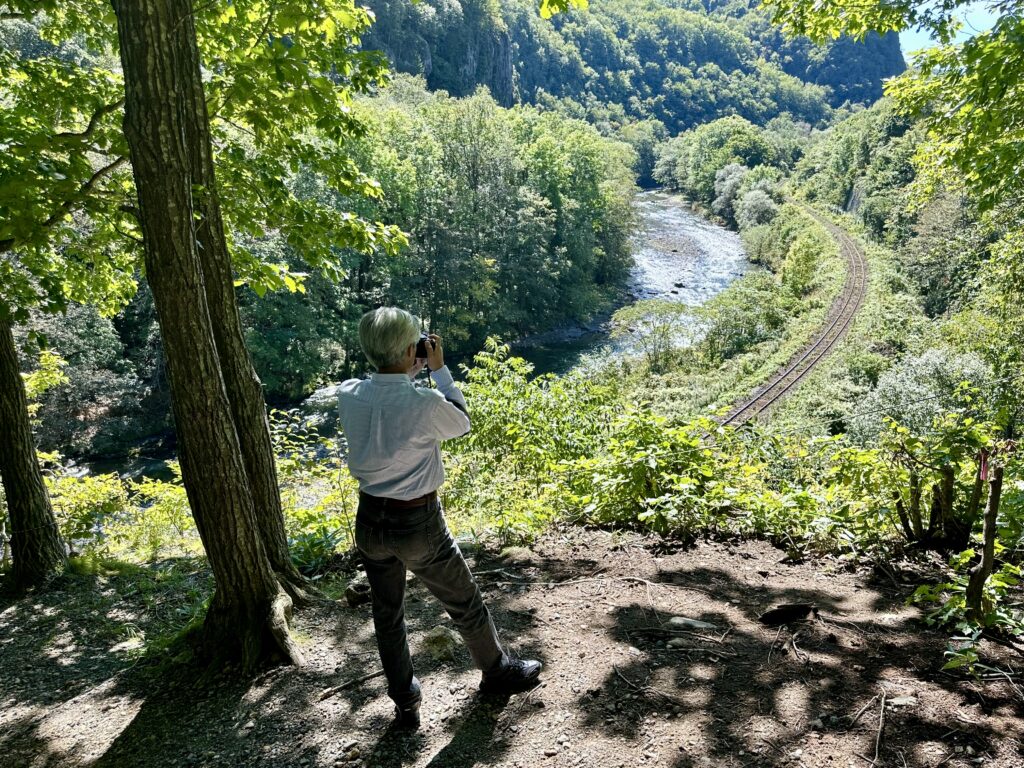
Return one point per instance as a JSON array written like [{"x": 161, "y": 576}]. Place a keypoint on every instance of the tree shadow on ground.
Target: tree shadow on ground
[
  {"x": 179, "y": 715},
  {"x": 62, "y": 644},
  {"x": 770, "y": 694},
  {"x": 749, "y": 697}
]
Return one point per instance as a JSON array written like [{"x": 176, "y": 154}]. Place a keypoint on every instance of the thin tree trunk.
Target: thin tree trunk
[
  {"x": 935, "y": 513},
  {"x": 915, "y": 505},
  {"x": 983, "y": 569},
  {"x": 901, "y": 513},
  {"x": 974, "y": 503},
  {"x": 245, "y": 392},
  {"x": 36, "y": 546},
  {"x": 947, "y": 493},
  {"x": 247, "y": 618}
]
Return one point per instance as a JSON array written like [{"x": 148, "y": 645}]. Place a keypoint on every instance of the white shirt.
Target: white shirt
[{"x": 394, "y": 431}]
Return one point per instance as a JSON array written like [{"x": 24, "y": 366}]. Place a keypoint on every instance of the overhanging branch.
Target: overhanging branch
[
  {"x": 94, "y": 122},
  {"x": 69, "y": 205}
]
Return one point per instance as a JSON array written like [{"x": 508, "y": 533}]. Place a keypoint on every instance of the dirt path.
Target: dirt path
[{"x": 619, "y": 689}]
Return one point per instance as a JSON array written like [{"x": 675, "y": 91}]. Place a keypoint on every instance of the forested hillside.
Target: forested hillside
[
  {"x": 637, "y": 71},
  {"x": 680, "y": 62}
]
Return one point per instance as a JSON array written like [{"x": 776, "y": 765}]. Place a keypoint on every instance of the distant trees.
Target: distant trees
[
  {"x": 756, "y": 207},
  {"x": 719, "y": 163},
  {"x": 680, "y": 65},
  {"x": 657, "y": 327},
  {"x": 965, "y": 93},
  {"x": 517, "y": 219},
  {"x": 727, "y": 187}
]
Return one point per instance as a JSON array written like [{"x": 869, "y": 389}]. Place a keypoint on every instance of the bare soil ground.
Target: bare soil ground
[{"x": 622, "y": 686}]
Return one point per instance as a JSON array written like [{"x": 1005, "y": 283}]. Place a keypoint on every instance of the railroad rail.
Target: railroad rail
[{"x": 837, "y": 322}]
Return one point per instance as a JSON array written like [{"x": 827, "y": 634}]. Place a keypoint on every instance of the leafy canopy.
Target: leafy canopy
[
  {"x": 968, "y": 94},
  {"x": 279, "y": 79}
]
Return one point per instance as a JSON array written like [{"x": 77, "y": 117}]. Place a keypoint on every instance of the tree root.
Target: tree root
[
  {"x": 250, "y": 636},
  {"x": 299, "y": 589}
]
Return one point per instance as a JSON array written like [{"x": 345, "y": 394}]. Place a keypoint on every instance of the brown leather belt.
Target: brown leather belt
[{"x": 383, "y": 501}]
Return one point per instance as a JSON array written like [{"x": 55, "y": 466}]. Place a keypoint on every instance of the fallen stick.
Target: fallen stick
[
  {"x": 800, "y": 655},
  {"x": 328, "y": 692},
  {"x": 772, "y": 646},
  {"x": 863, "y": 709},
  {"x": 676, "y": 633},
  {"x": 711, "y": 651},
  {"x": 881, "y": 727}
]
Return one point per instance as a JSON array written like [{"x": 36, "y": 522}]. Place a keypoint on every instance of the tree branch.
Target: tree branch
[
  {"x": 69, "y": 205},
  {"x": 94, "y": 122},
  {"x": 264, "y": 33}
]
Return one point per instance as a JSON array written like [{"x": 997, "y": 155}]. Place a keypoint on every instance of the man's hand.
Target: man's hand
[{"x": 435, "y": 354}]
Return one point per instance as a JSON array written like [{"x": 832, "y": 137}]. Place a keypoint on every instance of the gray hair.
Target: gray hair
[{"x": 385, "y": 334}]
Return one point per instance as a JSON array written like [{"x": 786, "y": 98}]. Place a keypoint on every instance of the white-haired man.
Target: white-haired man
[{"x": 394, "y": 431}]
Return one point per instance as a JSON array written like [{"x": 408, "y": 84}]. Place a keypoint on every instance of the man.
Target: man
[{"x": 394, "y": 431}]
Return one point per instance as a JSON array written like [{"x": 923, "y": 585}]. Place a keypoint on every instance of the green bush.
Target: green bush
[{"x": 86, "y": 506}]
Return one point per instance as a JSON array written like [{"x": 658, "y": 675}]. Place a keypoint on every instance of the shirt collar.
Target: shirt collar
[{"x": 390, "y": 378}]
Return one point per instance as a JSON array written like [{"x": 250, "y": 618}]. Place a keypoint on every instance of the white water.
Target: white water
[{"x": 679, "y": 255}]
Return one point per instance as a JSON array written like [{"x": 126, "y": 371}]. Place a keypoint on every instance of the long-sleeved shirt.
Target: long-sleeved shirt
[{"x": 394, "y": 431}]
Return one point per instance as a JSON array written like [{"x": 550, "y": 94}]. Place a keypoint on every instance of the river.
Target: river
[{"x": 679, "y": 256}]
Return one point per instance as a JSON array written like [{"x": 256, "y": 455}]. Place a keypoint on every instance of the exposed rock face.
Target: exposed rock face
[{"x": 456, "y": 46}]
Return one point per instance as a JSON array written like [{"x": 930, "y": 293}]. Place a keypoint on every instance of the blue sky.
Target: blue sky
[{"x": 977, "y": 18}]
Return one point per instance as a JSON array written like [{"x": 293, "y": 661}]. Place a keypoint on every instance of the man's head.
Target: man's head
[{"x": 385, "y": 335}]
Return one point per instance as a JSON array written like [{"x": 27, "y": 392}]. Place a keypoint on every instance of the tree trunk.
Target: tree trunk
[
  {"x": 947, "y": 494},
  {"x": 901, "y": 513},
  {"x": 248, "y": 615},
  {"x": 245, "y": 392},
  {"x": 915, "y": 505},
  {"x": 36, "y": 546},
  {"x": 974, "y": 503},
  {"x": 983, "y": 569},
  {"x": 935, "y": 513}
]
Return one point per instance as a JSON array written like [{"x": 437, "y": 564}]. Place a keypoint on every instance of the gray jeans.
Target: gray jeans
[{"x": 392, "y": 540}]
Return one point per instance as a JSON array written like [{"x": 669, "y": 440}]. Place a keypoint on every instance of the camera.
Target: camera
[{"x": 421, "y": 346}]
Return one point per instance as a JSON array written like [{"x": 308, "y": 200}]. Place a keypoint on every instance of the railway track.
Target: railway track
[{"x": 837, "y": 322}]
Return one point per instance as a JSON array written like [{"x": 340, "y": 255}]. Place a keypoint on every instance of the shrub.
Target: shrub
[
  {"x": 751, "y": 311},
  {"x": 86, "y": 506},
  {"x": 656, "y": 327},
  {"x": 755, "y": 208}
]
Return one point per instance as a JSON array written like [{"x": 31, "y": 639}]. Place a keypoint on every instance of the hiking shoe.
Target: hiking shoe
[
  {"x": 407, "y": 718},
  {"x": 516, "y": 675}
]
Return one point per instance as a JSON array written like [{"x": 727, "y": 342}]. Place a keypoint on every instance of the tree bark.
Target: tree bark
[
  {"x": 36, "y": 546},
  {"x": 983, "y": 569},
  {"x": 247, "y": 618},
  {"x": 947, "y": 495},
  {"x": 244, "y": 389},
  {"x": 901, "y": 513},
  {"x": 915, "y": 505},
  {"x": 974, "y": 503}
]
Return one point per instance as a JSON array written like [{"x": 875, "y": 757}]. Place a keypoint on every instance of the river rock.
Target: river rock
[{"x": 441, "y": 643}]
